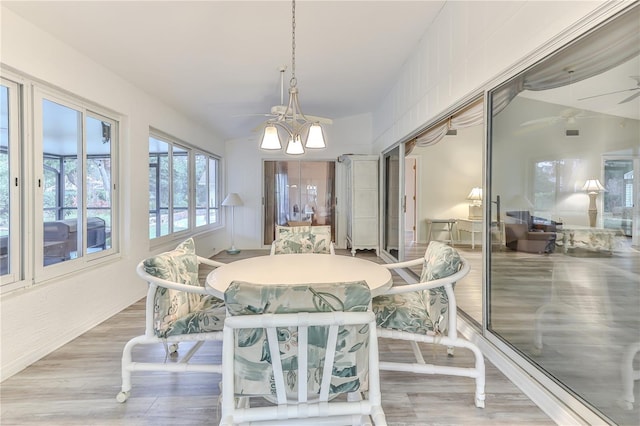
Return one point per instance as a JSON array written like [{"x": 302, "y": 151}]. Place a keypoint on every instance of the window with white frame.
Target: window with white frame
[
  {"x": 207, "y": 194},
  {"x": 72, "y": 170},
  {"x": 553, "y": 181},
  {"x": 183, "y": 187},
  {"x": 75, "y": 180},
  {"x": 9, "y": 171}
]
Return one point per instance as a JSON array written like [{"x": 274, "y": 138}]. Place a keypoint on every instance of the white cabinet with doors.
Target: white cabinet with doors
[{"x": 362, "y": 202}]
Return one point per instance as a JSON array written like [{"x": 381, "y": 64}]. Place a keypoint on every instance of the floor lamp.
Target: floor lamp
[
  {"x": 232, "y": 200},
  {"x": 593, "y": 188}
]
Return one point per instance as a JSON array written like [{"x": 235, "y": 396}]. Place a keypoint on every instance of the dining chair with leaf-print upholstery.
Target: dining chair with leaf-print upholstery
[
  {"x": 426, "y": 312},
  {"x": 308, "y": 352},
  {"x": 178, "y": 309},
  {"x": 302, "y": 239}
]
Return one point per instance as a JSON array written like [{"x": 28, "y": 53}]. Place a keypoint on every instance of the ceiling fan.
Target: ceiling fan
[
  {"x": 568, "y": 115},
  {"x": 278, "y": 112},
  {"x": 628, "y": 99}
]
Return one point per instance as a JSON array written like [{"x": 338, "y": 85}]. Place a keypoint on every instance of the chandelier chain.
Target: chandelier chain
[{"x": 293, "y": 82}]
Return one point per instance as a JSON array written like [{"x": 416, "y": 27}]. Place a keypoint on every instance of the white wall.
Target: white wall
[
  {"x": 39, "y": 319},
  {"x": 446, "y": 173},
  {"x": 350, "y": 135}
]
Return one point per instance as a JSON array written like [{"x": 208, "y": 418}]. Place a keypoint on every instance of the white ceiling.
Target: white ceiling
[{"x": 218, "y": 60}]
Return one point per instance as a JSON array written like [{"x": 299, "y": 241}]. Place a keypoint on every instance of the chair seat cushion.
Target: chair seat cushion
[
  {"x": 207, "y": 316},
  {"x": 404, "y": 311}
]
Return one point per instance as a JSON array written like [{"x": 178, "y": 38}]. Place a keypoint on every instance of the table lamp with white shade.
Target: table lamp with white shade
[
  {"x": 475, "y": 208},
  {"x": 593, "y": 188},
  {"x": 232, "y": 200}
]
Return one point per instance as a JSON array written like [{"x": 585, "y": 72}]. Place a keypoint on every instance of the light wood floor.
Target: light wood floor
[
  {"x": 77, "y": 385},
  {"x": 583, "y": 306}
]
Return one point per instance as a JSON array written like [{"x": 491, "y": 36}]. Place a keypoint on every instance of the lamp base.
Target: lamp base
[
  {"x": 475, "y": 212},
  {"x": 233, "y": 250},
  {"x": 593, "y": 214}
]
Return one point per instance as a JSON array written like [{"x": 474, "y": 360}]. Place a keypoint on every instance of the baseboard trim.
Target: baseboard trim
[{"x": 13, "y": 367}]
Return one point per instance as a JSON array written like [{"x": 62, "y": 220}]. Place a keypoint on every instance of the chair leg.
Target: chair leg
[
  {"x": 127, "y": 363},
  {"x": 182, "y": 365},
  {"x": 417, "y": 352},
  {"x": 477, "y": 372}
]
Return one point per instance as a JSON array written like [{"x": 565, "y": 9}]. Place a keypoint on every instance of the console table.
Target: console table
[
  {"x": 596, "y": 239},
  {"x": 471, "y": 226},
  {"x": 446, "y": 226}
]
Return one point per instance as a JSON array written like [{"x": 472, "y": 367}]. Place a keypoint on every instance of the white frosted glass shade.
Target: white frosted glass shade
[
  {"x": 294, "y": 147},
  {"x": 315, "y": 140},
  {"x": 270, "y": 139}
]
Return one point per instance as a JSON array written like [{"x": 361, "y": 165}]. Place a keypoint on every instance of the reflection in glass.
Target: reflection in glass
[
  {"x": 298, "y": 193},
  {"x": 62, "y": 190},
  {"x": 391, "y": 230},
  {"x": 206, "y": 191},
  {"x": 618, "y": 198},
  {"x": 201, "y": 190},
  {"x": 445, "y": 163},
  {"x": 98, "y": 185},
  {"x": 180, "y": 194},
  {"x": 214, "y": 200},
  {"x": 563, "y": 292},
  {"x": 5, "y": 183},
  {"x": 158, "y": 188}
]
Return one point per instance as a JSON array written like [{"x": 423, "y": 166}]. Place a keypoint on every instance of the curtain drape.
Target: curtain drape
[
  {"x": 594, "y": 54},
  {"x": 469, "y": 116}
]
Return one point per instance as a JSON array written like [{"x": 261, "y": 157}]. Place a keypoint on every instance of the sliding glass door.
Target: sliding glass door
[
  {"x": 563, "y": 290},
  {"x": 391, "y": 238}
]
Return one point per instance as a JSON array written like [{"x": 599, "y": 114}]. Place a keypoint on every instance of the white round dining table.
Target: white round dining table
[{"x": 299, "y": 269}]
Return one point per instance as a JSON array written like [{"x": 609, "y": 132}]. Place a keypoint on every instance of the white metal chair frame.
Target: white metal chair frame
[
  {"x": 450, "y": 340},
  {"x": 332, "y": 249},
  {"x": 301, "y": 411},
  {"x": 171, "y": 342}
]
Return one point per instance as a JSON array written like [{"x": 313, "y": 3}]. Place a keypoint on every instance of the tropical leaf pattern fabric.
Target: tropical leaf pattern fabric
[
  {"x": 302, "y": 239},
  {"x": 421, "y": 312},
  {"x": 179, "y": 312},
  {"x": 285, "y": 231},
  {"x": 253, "y": 366}
]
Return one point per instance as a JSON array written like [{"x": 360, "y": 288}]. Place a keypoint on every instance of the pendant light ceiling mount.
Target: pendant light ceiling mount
[{"x": 292, "y": 121}]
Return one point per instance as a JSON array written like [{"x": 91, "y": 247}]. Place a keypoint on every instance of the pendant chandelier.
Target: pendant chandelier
[{"x": 292, "y": 121}]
